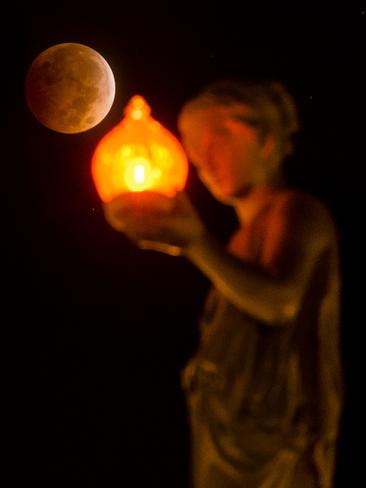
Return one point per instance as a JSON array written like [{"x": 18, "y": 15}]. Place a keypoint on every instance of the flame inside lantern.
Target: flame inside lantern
[{"x": 138, "y": 154}]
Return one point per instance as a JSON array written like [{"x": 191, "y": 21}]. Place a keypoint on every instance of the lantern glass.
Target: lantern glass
[{"x": 139, "y": 154}]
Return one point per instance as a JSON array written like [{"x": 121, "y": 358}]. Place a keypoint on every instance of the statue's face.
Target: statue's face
[{"x": 227, "y": 152}]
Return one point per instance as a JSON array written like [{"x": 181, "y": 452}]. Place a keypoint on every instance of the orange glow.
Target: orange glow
[{"x": 138, "y": 154}]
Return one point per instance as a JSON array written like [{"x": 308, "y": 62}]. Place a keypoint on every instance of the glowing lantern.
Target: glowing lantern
[{"x": 138, "y": 154}]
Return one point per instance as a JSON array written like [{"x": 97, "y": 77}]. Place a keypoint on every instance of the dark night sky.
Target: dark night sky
[{"x": 102, "y": 329}]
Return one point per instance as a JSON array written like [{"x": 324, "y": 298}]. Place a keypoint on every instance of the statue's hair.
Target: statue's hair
[{"x": 274, "y": 107}]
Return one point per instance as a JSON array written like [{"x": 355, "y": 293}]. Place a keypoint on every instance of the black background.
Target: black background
[{"x": 103, "y": 329}]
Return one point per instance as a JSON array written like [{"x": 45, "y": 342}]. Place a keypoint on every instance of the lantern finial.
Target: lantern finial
[{"x": 137, "y": 108}]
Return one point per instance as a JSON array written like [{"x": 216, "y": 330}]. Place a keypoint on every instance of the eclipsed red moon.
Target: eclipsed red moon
[{"x": 69, "y": 88}]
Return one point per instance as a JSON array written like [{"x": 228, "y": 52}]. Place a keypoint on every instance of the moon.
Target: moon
[{"x": 69, "y": 88}]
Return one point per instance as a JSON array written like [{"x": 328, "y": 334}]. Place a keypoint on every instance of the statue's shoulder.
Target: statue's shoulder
[{"x": 304, "y": 210}]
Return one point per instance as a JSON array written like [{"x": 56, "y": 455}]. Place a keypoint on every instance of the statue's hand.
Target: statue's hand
[{"x": 155, "y": 221}]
